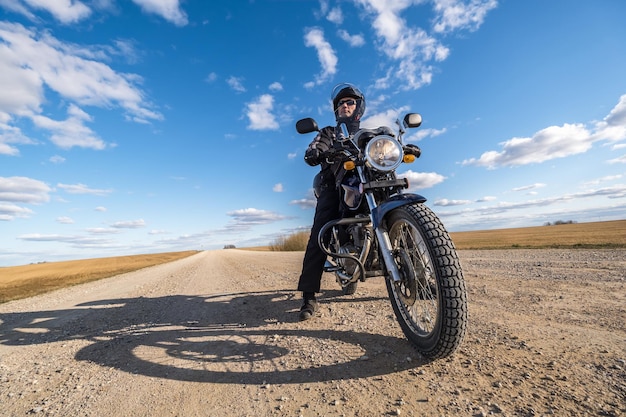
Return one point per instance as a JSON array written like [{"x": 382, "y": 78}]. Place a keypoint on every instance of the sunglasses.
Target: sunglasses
[{"x": 350, "y": 102}]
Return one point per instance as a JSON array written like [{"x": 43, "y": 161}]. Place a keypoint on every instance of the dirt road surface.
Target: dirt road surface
[{"x": 218, "y": 334}]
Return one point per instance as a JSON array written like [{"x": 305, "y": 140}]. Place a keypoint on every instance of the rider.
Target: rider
[{"x": 348, "y": 106}]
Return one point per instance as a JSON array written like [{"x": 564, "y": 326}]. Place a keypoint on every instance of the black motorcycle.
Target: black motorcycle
[{"x": 385, "y": 231}]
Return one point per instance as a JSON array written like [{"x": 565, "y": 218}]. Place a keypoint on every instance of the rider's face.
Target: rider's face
[{"x": 346, "y": 107}]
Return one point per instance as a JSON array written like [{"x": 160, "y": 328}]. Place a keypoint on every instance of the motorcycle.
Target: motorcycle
[{"x": 385, "y": 231}]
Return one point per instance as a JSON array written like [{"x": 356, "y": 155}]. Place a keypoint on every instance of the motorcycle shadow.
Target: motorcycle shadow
[{"x": 249, "y": 338}]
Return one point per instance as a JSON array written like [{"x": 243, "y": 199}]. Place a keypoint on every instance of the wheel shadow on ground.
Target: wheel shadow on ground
[{"x": 240, "y": 338}]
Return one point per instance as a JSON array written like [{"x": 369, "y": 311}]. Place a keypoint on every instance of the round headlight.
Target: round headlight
[{"x": 384, "y": 153}]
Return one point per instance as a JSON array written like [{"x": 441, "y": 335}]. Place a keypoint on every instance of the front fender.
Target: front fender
[{"x": 394, "y": 202}]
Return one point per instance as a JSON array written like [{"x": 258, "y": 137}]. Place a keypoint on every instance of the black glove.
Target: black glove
[
  {"x": 313, "y": 157},
  {"x": 330, "y": 154},
  {"x": 411, "y": 149}
]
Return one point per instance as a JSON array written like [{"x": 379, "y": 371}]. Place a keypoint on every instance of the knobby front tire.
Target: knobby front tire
[{"x": 430, "y": 302}]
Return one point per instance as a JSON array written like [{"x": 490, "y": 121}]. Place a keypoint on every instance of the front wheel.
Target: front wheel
[{"x": 430, "y": 300}]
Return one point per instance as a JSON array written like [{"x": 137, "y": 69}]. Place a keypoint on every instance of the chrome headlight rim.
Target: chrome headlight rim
[{"x": 392, "y": 158}]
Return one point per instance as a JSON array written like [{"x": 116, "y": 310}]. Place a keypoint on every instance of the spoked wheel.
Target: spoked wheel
[{"x": 430, "y": 300}]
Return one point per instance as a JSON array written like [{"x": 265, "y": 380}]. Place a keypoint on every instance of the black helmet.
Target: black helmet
[{"x": 348, "y": 90}]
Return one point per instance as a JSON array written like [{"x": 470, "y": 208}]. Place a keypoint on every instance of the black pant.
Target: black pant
[{"x": 327, "y": 209}]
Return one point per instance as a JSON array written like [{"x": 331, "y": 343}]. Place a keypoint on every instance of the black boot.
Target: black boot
[{"x": 309, "y": 307}]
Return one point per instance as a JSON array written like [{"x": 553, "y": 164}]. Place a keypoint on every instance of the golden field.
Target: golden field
[
  {"x": 609, "y": 234},
  {"x": 28, "y": 280}
]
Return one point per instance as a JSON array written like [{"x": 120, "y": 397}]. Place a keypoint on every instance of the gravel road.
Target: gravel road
[{"x": 218, "y": 334}]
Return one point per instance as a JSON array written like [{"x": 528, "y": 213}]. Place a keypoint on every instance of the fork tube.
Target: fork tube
[
  {"x": 384, "y": 242},
  {"x": 390, "y": 263}
]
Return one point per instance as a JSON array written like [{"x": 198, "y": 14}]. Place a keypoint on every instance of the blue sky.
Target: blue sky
[{"x": 144, "y": 126}]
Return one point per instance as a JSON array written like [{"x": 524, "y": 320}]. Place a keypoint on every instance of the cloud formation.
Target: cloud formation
[
  {"x": 259, "y": 113},
  {"x": 314, "y": 38},
  {"x": 68, "y": 12},
  {"x": 556, "y": 141},
  {"x": 414, "y": 49},
  {"x": 82, "y": 189},
  {"x": 33, "y": 62},
  {"x": 253, "y": 217}
]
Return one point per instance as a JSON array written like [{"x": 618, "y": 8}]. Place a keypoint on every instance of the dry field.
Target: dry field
[
  {"x": 610, "y": 234},
  {"x": 28, "y": 280}
]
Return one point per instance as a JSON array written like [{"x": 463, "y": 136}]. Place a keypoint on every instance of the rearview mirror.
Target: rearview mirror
[
  {"x": 412, "y": 120},
  {"x": 307, "y": 125}
]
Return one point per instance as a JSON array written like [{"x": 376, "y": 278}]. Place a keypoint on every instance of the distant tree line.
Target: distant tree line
[{"x": 558, "y": 222}]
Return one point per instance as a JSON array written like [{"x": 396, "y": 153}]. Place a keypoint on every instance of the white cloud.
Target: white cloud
[
  {"x": 131, "y": 224},
  {"x": 304, "y": 203},
  {"x": 410, "y": 47},
  {"x": 76, "y": 241},
  {"x": 32, "y": 62},
  {"x": 444, "y": 202},
  {"x": 72, "y": 131},
  {"x": 236, "y": 83},
  {"x": 556, "y": 142},
  {"x": 314, "y": 37},
  {"x": 278, "y": 188},
  {"x": 9, "y": 136},
  {"x": 11, "y": 211},
  {"x": 82, "y": 189},
  {"x": 64, "y": 11},
  {"x": 456, "y": 14},
  {"x": 387, "y": 118},
  {"x": 168, "y": 9},
  {"x": 618, "y": 160},
  {"x": 352, "y": 40},
  {"x": 260, "y": 114},
  {"x": 23, "y": 190},
  {"x": 335, "y": 15},
  {"x": 102, "y": 231},
  {"x": 613, "y": 127},
  {"x": 65, "y": 220},
  {"x": 252, "y": 217},
  {"x": 211, "y": 77},
  {"x": 506, "y": 213},
  {"x": 421, "y": 180},
  {"x": 529, "y": 187},
  {"x": 425, "y": 133},
  {"x": 549, "y": 143},
  {"x": 414, "y": 48},
  {"x": 276, "y": 86},
  {"x": 603, "y": 179}
]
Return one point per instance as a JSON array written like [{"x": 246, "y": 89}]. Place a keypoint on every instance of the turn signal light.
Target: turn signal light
[
  {"x": 349, "y": 165},
  {"x": 408, "y": 158}
]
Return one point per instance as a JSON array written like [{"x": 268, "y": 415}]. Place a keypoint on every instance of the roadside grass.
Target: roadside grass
[
  {"x": 294, "y": 242},
  {"x": 28, "y": 280}
]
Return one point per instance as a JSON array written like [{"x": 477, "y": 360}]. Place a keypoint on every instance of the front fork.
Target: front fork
[{"x": 384, "y": 243}]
